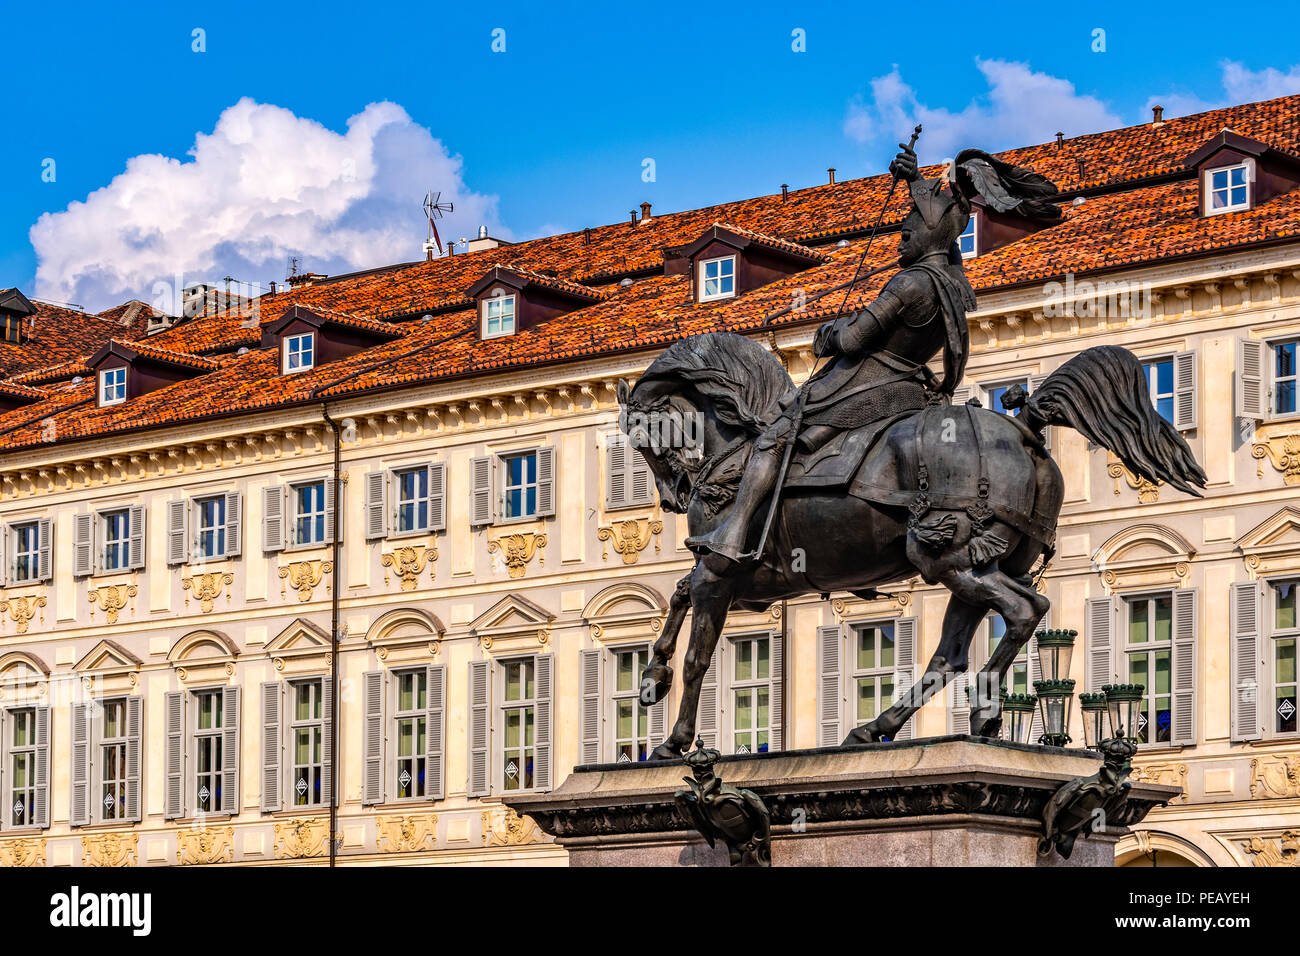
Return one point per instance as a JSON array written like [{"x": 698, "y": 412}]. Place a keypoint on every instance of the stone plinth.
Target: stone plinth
[{"x": 946, "y": 801}]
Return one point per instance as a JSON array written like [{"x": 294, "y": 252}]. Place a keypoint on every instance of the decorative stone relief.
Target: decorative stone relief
[
  {"x": 22, "y": 610},
  {"x": 1280, "y": 448},
  {"x": 408, "y": 563},
  {"x": 1281, "y": 850},
  {"x": 1172, "y": 774},
  {"x": 1148, "y": 492},
  {"x": 22, "y": 851},
  {"x": 507, "y": 828},
  {"x": 206, "y": 587},
  {"x": 297, "y": 839},
  {"x": 205, "y": 845},
  {"x": 518, "y": 549},
  {"x": 1275, "y": 776},
  {"x": 110, "y": 849},
  {"x": 111, "y": 599},
  {"x": 304, "y": 576},
  {"x": 630, "y": 537},
  {"x": 408, "y": 833}
]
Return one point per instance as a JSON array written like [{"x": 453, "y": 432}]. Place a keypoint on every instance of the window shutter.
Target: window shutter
[
  {"x": 44, "y": 537},
  {"x": 372, "y": 789},
  {"x": 962, "y": 394},
  {"x": 178, "y": 539},
  {"x": 1184, "y": 666},
  {"x": 1099, "y": 639},
  {"x": 331, "y": 495},
  {"x": 545, "y": 482},
  {"x": 589, "y": 666},
  {"x": 776, "y": 712},
  {"x": 134, "y": 732},
  {"x": 542, "y": 772},
  {"x": 8, "y": 559},
  {"x": 1246, "y": 632},
  {"x": 42, "y": 776},
  {"x": 230, "y": 799},
  {"x": 438, "y": 496},
  {"x": 1185, "y": 411},
  {"x": 79, "y": 811},
  {"x": 640, "y": 479},
  {"x": 480, "y": 682},
  {"x": 327, "y": 741},
  {"x": 706, "y": 718},
  {"x": 480, "y": 490},
  {"x": 959, "y": 710},
  {"x": 136, "y": 549},
  {"x": 904, "y": 667},
  {"x": 1251, "y": 395},
  {"x": 435, "y": 731},
  {"x": 830, "y": 686},
  {"x": 271, "y": 745},
  {"x": 616, "y": 456},
  {"x": 376, "y": 505},
  {"x": 1036, "y": 728},
  {"x": 83, "y": 538},
  {"x": 174, "y": 756},
  {"x": 234, "y": 524},
  {"x": 273, "y": 518},
  {"x": 1035, "y": 382}
]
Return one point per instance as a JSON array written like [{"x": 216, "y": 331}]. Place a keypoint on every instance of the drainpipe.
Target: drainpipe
[
  {"x": 336, "y": 550},
  {"x": 785, "y": 673}
]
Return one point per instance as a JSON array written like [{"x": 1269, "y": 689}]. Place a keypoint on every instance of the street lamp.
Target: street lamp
[
  {"x": 1018, "y": 712},
  {"x": 1124, "y": 701},
  {"x": 1055, "y": 648},
  {"x": 1094, "y": 719},
  {"x": 1054, "y": 698}
]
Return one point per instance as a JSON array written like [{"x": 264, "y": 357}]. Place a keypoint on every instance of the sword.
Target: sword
[{"x": 757, "y": 554}]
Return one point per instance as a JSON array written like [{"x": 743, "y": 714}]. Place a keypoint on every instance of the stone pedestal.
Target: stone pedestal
[{"x": 947, "y": 801}]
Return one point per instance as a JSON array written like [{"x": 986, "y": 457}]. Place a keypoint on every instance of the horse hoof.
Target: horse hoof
[
  {"x": 655, "y": 681},
  {"x": 986, "y": 726},
  {"x": 866, "y": 734},
  {"x": 665, "y": 751}
]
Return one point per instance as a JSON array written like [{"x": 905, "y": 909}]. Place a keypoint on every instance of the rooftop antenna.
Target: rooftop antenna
[
  {"x": 294, "y": 262},
  {"x": 434, "y": 209}
]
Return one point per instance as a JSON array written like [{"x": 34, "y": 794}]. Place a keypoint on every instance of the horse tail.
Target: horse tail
[{"x": 1102, "y": 393}]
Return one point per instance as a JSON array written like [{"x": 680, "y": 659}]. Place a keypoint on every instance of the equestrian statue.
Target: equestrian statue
[{"x": 868, "y": 474}]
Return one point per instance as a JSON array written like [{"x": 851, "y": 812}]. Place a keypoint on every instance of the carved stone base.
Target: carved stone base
[{"x": 949, "y": 801}]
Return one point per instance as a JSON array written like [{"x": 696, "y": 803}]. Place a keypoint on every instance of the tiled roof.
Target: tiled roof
[
  {"x": 546, "y": 281},
  {"x": 169, "y": 356}
]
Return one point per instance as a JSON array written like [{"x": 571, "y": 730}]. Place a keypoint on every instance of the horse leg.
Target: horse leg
[
  {"x": 710, "y": 598},
  {"x": 1021, "y": 608},
  {"x": 960, "y": 621},
  {"x": 658, "y": 674}
]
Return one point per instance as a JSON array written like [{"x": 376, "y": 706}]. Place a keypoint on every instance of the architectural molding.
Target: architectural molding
[
  {"x": 408, "y": 562},
  {"x": 517, "y": 550},
  {"x": 629, "y": 536},
  {"x": 1144, "y": 555},
  {"x": 22, "y": 610},
  {"x": 112, "y": 848},
  {"x": 1273, "y": 545},
  {"x": 206, "y": 587},
  {"x": 513, "y": 621},
  {"x": 406, "y": 833},
  {"x": 205, "y": 845}
]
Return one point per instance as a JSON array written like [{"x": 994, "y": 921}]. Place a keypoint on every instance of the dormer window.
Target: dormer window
[
  {"x": 967, "y": 242},
  {"x": 112, "y": 386},
  {"x": 717, "y": 278},
  {"x": 299, "y": 352},
  {"x": 1227, "y": 189},
  {"x": 498, "y": 316}
]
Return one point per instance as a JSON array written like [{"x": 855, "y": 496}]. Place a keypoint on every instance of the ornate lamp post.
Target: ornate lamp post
[
  {"x": 1124, "y": 701},
  {"x": 1018, "y": 713},
  {"x": 1094, "y": 719},
  {"x": 1056, "y": 690}
]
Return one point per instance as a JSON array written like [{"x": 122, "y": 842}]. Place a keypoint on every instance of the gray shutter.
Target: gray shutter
[
  {"x": 962, "y": 394},
  {"x": 435, "y": 723},
  {"x": 271, "y": 745},
  {"x": 41, "y": 817},
  {"x": 545, "y": 482},
  {"x": 959, "y": 710},
  {"x": 776, "y": 707},
  {"x": 79, "y": 810},
  {"x": 1251, "y": 396},
  {"x": 617, "y": 453},
  {"x": 437, "y": 496},
  {"x": 545, "y": 693},
  {"x": 640, "y": 487},
  {"x": 480, "y": 684},
  {"x": 331, "y": 503},
  {"x": 589, "y": 669},
  {"x": 706, "y": 717},
  {"x": 273, "y": 518},
  {"x": 136, "y": 542},
  {"x": 372, "y": 693},
  {"x": 1099, "y": 638},
  {"x": 904, "y": 667},
  {"x": 178, "y": 539},
  {"x": 327, "y": 741},
  {"x": 8, "y": 559},
  {"x": 83, "y": 545},
  {"x": 1034, "y": 384},
  {"x": 174, "y": 755},
  {"x": 376, "y": 505},
  {"x": 1184, "y": 666},
  {"x": 44, "y": 537},
  {"x": 134, "y": 754},
  {"x": 480, "y": 490},
  {"x": 1185, "y": 411},
  {"x": 230, "y": 702},
  {"x": 1246, "y": 634},
  {"x": 234, "y": 524},
  {"x": 1036, "y": 728},
  {"x": 830, "y": 685}
]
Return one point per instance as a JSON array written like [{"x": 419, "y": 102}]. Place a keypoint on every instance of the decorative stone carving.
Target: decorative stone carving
[
  {"x": 22, "y": 851},
  {"x": 111, "y": 599},
  {"x": 630, "y": 537},
  {"x": 205, "y": 845},
  {"x": 408, "y": 563},
  {"x": 1171, "y": 774},
  {"x": 1275, "y": 776},
  {"x": 297, "y": 839},
  {"x": 507, "y": 828},
  {"x": 1281, "y": 449},
  {"x": 518, "y": 549},
  {"x": 110, "y": 849},
  {"x": 408, "y": 833},
  {"x": 1281, "y": 850},
  {"x": 206, "y": 587},
  {"x": 1148, "y": 492},
  {"x": 304, "y": 576},
  {"x": 22, "y": 610}
]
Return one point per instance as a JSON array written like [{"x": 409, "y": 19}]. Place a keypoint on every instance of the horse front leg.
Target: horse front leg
[{"x": 658, "y": 674}]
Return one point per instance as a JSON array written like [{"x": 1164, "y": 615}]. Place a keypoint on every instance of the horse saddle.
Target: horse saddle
[{"x": 835, "y": 463}]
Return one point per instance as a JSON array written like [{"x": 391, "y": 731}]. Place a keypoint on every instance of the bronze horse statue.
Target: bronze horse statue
[{"x": 961, "y": 495}]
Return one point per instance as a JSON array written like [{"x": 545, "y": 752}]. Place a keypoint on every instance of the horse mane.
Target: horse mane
[{"x": 742, "y": 379}]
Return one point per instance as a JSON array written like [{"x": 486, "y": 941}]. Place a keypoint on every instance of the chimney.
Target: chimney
[
  {"x": 633, "y": 214},
  {"x": 785, "y": 191},
  {"x": 586, "y": 236},
  {"x": 1060, "y": 140},
  {"x": 483, "y": 241},
  {"x": 645, "y": 212},
  {"x": 831, "y": 173},
  {"x": 305, "y": 279},
  {"x": 1157, "y": 116},
  {"x": 273, "y": 287},
  {"x": 430, "y": 248}
]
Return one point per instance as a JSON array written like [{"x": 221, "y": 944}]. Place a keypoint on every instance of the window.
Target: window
[
  {"x": 306, "y": 739},
  {"x": 966, "y": 242},
  {"x": 112, "y": 386},
  {"x": 520, "y": 490},
  {"x": 1160, "y": 383},
  {"x": 994, "y": 394},
  {"x": 299, "y": 352},
  {"x": 1286, "y": 629},
  {"x": 519, "y": 704},
  {"x": 22, "y": 768},
  {"x": 872, "y": 678},
  {"x": 717, "y": 278},
  {"x": 1016, "y": 679},
  {"x": 751, "y": 694},
  {"x": 412, "y": 727},
  {"x": 115, "y": 528},
  {"x": 309, "y": 513},
  {"x": 1284, "y": 377},
  {"x": 1148, "y": 650},
  {"x": 209, "y": 724},
  {"x": 11, "y": 327},
  {"x": 498, "y": 316},
  {"x": 26, "y": 564},
  {"x": 631, "y": 716},
  {"x": 211, "y": 514},
  {"x": 1227, "y": 189},
  {"x": 412, "y": 500},
  {"x": 112, "y": 760}
]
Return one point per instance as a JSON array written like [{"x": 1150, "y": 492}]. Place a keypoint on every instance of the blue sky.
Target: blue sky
[{"x": 549, "y": 135}]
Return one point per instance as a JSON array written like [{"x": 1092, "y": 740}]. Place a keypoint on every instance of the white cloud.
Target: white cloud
[
  {"x": 1239, "y": 85},
  {"x": 264, "y": 185},
  {"x": 1020, "y": 107}
]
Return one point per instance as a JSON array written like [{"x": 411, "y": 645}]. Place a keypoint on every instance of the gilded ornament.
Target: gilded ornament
[
  {"x": 205, "y": 845},
  {"x": 304, "y": 576},
  {"x": 630, "y": 537},
  {"x": 206, "y": 587},
  {"x": 23, "y": 609},
  {"x": 407, "y": 834},
  {"x": 111, "y": 599},
  {"x": 109, "y": 849},
  {"x": 408, "y": 563},
  {"x": 518, "y": 549}
]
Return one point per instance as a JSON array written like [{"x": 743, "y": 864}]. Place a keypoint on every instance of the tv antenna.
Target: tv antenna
[{"x": 434, "y": 209}]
